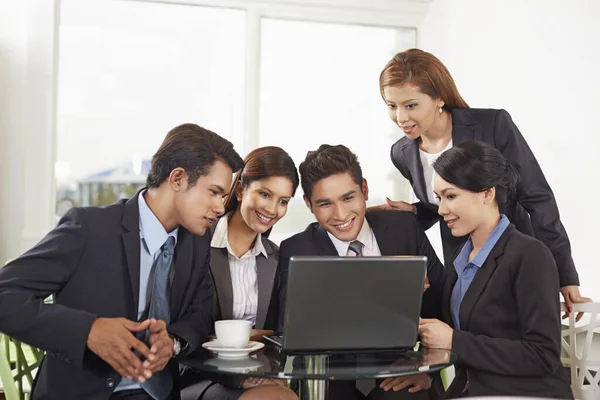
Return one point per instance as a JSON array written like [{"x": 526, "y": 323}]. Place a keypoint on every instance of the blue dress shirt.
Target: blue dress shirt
[
  {"x": 466, "y": 270},
  {"x": 152, "y": 236}
]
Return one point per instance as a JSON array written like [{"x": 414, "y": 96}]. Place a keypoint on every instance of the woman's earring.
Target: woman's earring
[{"x": 440, "y": 110}]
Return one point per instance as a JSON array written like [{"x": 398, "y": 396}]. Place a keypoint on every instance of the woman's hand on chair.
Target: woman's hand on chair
[{"x": 571, "y": 295}]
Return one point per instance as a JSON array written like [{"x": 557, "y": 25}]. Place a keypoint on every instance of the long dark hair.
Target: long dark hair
[
  {"x": 476, "y": 167},
  {"x": 261, "y": 163}
]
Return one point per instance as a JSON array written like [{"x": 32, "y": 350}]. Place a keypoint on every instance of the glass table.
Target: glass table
[{"x": 314, "y": 371}]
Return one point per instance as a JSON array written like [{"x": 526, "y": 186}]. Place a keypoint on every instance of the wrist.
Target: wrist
[{"x": 175, "y": 346}]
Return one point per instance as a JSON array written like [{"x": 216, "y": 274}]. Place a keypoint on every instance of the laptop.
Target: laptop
[{"x": 353, "y": 303}]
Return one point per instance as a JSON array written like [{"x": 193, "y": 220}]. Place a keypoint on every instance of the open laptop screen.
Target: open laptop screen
[{"x": 353, "y": 303}]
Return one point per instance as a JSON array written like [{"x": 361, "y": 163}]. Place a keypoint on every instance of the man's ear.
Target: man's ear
[
  {"x": 307, "y": 202},
  {"x": 365, "y": 189},
  {"x": 178, "y": 179}
]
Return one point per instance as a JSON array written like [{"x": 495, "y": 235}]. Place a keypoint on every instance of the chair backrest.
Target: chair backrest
[
  {"x": 6, "y": 375},
  {"x": 22, "y": 361},
  {"x": 581, "y": 350}
]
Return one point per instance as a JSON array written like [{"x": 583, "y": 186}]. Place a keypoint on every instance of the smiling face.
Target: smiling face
[
  {"x": 463, "y": 211},
  {"x": 264, "y": 202},
  {"x": 198, "y": 206},
  {"x": 412, "y": 110},
  {"x": 339, "y": 205}
]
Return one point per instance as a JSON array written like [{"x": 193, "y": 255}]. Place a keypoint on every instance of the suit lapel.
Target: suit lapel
[
  {"x": 219, "y": 267},
  {"x": 325, "y": 246},
  {"x": 266, "y": 269},
  {"x": 184, "y": 252},
  {"x": 387, "y": 243},
  {"x": 131, "y": 248},
  {"x": 413, "y": 161},
  {"x": 481, "y": 280},
  {"x": 463, "y": 127}
]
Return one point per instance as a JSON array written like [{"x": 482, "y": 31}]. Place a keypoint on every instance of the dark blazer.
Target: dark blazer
[
  {"x": 269, "y": 282},
  {"x": 534, "y": 212},
  {"x": 396, "y": 232},
  {"x": 509, "y": 342},
  {"x": 91, "y": 263}
]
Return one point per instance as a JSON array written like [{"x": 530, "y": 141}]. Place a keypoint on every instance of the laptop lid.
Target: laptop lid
[{"x": 353, "y": 303}]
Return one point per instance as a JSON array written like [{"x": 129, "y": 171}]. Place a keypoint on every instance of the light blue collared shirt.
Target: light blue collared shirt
[
  {"x": 152, "y": 236},
  {"x": 466, "y": 270}
]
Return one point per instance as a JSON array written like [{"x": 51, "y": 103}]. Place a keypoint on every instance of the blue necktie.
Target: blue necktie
[{"x": 161, "y": 383}]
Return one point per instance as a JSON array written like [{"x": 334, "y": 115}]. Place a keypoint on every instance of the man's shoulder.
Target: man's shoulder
[
  {"x": 390, "y": 218},
  {"x": 301, "y": 240},
  {"x": 100, "y": 215}
]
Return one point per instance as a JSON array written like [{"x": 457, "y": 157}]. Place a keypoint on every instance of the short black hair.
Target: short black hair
[
  {"x": 476, "y": 166},
  {"x": 328, "y": 160},
  {"x": 194, "y": 149}
]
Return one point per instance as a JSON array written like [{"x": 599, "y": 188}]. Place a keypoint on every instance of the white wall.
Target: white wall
[
  {"x": 27, "y": 69},
  {"x": 12, "y": 81},
  {"x": 538, "y": 59}
]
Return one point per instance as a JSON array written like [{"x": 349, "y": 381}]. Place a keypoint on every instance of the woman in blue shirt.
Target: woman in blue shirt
[{"x": 500, "y": 306}]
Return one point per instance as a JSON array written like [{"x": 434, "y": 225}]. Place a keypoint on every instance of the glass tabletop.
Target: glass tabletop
[{"x": 269, "y": 362}]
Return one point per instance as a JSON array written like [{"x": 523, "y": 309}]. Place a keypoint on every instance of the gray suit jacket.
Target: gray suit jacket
[
  {"x": 269, "y": 287},
  {"x": 268, "y": 284}
]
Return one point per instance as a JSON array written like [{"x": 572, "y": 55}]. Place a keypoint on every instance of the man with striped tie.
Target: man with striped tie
[{"x": 336, "y": 193}]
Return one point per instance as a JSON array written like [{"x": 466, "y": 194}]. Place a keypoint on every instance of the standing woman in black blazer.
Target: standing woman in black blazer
[
  {"x": 501, "y": 312},
  {"x": 424, "y": 102},
  {"x": 244, "y": 267}
]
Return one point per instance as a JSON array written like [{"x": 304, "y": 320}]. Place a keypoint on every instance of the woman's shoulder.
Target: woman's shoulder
[
  {"x": 473, "y": 116},
  {"x": 520, "y": 244}
]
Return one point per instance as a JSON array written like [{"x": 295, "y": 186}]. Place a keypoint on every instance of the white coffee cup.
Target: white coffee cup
[{"x": 233, "y": 332}]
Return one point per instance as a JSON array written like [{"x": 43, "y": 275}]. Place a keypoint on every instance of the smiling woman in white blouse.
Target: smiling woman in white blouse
[{"x": 244, "y": 264}]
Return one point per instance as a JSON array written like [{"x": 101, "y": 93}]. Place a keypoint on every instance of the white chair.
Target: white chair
[{"x": 581, "y": 350}]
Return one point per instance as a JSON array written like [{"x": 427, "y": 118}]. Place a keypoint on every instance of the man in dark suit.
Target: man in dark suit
[
  {"x": 131, "y": 281},
  {"x": 336, "y": 193}
]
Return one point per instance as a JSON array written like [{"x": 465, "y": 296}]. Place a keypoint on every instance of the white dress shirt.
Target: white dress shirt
[
  {"x": 427, "y": 160},
  {"x": 243, "y": 273},
  {"x": 365, "y": 236}
]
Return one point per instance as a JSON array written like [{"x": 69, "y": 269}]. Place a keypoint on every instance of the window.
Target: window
[
  {"x": 319, "y": 84},
  {"x": 130, "y": 71}
]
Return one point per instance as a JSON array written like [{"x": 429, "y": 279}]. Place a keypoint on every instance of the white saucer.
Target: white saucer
[{"x": 232, "y": 352}]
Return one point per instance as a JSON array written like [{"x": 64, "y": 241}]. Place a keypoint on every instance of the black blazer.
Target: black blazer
[
  {"x": 534, "y": 212},
  {"x": 91, "y": 263},
  {"x": 396, "y": 232},
  {"x": 509, "y": 342}
]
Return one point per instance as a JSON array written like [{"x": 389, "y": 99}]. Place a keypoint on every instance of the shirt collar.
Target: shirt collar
[
  {"x": 219, "y": 239},
  {"x": 151, "y": 230},
  {"x": 365, "y": 236},
  {"x": 463, "y": 257}
]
